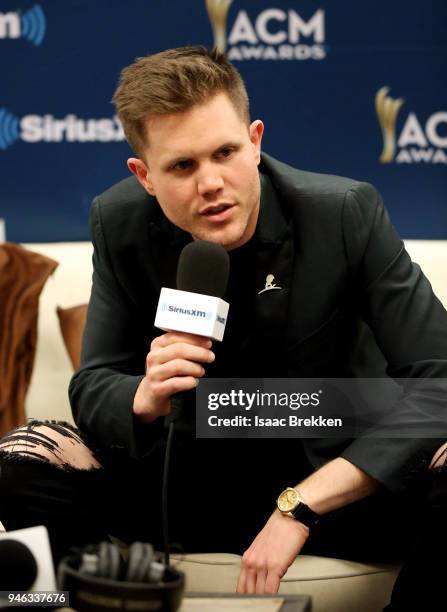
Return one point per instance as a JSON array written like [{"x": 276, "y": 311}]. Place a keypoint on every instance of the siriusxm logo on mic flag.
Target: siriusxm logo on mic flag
[
  {"x": 186, "y": 311},
  {"x": 193, "y": 313},
  {"x": 30, "y": 25}
]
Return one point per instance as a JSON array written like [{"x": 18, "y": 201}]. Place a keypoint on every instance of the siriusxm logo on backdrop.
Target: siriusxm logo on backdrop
[
  {"x": 47, "y": 128},
  {"x": 272, "y": 34},
  {"x": 418, "y": 142},
  {"x": 30, "y": 25}
]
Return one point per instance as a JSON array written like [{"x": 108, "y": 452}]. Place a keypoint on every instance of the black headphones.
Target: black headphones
[
  {"x": 98, "y": 579},
  {"x": 105, "y": 561}
]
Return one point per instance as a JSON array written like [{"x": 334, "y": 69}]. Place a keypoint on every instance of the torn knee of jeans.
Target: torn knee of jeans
[
  {"x": 51, "y": 442},
  {"x": 439, "y": 458}
]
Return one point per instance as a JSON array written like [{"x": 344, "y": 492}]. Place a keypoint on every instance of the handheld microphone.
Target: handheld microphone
[
  {"x": 26, "y": 563},
  {"x": 18, "y": 567},
  {"x": 203, "y": 267},
  {"x": 196, "y": 306}
]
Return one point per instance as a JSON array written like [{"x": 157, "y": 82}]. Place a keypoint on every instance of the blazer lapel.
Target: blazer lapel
[{"x": 274, "y": 267}]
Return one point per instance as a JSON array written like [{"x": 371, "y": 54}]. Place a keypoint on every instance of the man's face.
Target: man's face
[{"x": 202, "y": 166}]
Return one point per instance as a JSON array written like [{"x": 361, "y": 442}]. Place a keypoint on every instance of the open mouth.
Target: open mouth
[
  {"x": 218, "y": 213},
  {"x": 216, "y": 210}
]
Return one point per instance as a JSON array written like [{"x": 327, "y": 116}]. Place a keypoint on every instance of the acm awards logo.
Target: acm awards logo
[
  {"x": 418, "y": 141},
  {"x": 30, "y": 25},
  {"x": 272, "y": 34}
]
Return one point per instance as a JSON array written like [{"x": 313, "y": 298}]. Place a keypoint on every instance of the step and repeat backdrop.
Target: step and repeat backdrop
[{"x": 346, "y": 87}]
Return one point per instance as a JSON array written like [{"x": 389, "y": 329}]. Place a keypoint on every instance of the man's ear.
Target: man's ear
[
  {"x": 256, "y": 130},
  {"x": 139, "y": 168}
]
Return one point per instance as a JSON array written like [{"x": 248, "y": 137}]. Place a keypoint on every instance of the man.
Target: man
[
  {"x": 185, "y": 114},
  {"x": 332, "y": 250}
]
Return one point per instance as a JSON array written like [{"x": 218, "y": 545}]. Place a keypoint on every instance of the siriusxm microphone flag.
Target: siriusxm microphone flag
[{"x": 192, "y": 313}]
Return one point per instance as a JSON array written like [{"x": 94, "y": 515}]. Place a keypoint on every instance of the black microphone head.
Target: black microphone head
[
  {"x": 18, "y": 567},
  {"x": 203, "y": 267}
]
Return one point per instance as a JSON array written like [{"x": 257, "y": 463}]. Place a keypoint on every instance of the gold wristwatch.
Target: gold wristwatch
[{"x": 290, "y": 503}]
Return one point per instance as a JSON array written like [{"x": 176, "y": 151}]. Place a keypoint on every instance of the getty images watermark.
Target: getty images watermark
[{"x": 321, "y": 408}]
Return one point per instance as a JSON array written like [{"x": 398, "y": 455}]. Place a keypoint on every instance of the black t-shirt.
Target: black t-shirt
[{"x": 231, "y": 354}]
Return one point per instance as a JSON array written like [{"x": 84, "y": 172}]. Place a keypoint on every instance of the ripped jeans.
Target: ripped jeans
[{"x": 52, "y": 475}]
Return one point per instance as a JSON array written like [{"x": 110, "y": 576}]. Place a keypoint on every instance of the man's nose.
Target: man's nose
[{"x": 209, "y": 181}]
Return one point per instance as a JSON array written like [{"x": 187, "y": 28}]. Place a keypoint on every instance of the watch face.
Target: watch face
[{"x": 288, "y": 500}]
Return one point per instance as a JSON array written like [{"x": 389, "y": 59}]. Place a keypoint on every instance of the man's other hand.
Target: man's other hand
[
  {"x": 270, "y": 555},
  {"x": 173, "y": 364}
]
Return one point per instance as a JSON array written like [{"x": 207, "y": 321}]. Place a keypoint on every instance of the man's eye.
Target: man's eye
[
  {"x": 226, "y": 152},
  {"x": 184, "y": 164}
]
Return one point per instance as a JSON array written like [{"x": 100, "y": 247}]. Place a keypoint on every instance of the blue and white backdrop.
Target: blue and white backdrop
[{"x": 347, "y": 87}]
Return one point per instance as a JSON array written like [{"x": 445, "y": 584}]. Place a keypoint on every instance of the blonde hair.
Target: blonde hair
[{"x": 174, "y": 81}]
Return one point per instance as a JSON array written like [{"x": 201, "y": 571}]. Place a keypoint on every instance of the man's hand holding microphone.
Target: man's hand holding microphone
[
  {"x": 192, "y": 315},
  {"x": 173, "y": 364}
]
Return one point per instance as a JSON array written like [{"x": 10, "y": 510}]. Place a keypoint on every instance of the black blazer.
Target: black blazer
[{"x": 331, "y": 246}]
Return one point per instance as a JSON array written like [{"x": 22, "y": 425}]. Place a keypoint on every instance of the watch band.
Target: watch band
[{"x": 305, "y": 515}]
